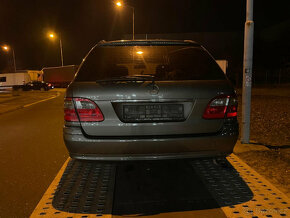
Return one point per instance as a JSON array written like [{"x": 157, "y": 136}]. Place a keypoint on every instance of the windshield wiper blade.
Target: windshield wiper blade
[
  {"x": 143, "y": 76},
  {"x": 133, "y": 78},
  {"x": 147, "y": 77}
]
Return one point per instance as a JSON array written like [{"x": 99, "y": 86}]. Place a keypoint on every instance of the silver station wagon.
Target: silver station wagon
[{"x": 147, "y": 100}]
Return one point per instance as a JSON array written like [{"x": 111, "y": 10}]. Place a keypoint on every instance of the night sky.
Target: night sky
[{"x": 82, "y": 23}]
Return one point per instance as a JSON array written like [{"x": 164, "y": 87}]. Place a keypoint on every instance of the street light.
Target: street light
[
  {"x": 6, "y": 48},
  {"x": 52, "y": 36},
  {"x": 120, "y": 4}
]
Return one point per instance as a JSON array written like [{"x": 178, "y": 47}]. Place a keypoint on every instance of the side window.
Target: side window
[{"x": 3, "y": 79}]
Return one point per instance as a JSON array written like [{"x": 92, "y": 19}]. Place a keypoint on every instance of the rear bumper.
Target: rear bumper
[{"x": 153, "y": 148}]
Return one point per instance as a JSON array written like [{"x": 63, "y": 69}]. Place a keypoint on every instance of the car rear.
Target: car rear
[{"x": 153, "y": 99}]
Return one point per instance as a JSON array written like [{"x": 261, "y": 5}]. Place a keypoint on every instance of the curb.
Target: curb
[{"x": 240, "y": 148}]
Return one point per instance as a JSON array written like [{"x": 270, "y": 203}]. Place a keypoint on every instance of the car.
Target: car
[
  {"x": 35, "y": 85},
  {"x": 149, "y": 100}
]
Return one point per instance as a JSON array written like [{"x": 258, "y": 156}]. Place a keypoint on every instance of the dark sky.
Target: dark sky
[{"x": 82, "y": 23}]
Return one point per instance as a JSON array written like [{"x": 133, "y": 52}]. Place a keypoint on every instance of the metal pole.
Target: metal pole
[
  {"x": 14, "y": 62},
  {"x": 61, "y": 54},
  {"x": 247, "y": 73},
  {"x": 133, "y": 23}
]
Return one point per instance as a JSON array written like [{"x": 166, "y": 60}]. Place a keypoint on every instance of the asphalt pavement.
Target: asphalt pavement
[
  {"x": 31, "y": 150},
  {"x": 12, "y": 101}
]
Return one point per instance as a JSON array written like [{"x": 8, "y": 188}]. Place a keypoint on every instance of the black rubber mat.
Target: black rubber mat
[
  {"x": 223, "y": 181},
  {"x": 86, "y": 187},
  {"x": 148, "y": 188}
]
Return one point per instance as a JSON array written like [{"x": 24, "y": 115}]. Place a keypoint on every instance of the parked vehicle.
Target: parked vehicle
[
  {"x": 35, "y": 85},
  {"x": 149, "y": 100},
  {"x": 59, "y": 76},
  {"x": 12, "y": 79}
]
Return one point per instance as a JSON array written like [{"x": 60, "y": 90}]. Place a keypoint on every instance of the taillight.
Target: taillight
[
  {"x": 222, "y": 106},
  {"x": 232, "y": 110},
  {"x": 81, "y": 109},
  {"x": 69, "y": 110}
]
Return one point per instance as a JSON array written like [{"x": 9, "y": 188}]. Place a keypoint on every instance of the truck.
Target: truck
[
  {"x": 223, "y": 65},
  {"x": 12, "y": 79},
  {"x": 19, "y": 79},
  {"x": 35, "y": 75},
  {"x": 59, "y": 76}
]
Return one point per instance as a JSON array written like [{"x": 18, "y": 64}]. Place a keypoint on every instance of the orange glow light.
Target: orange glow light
[{"x": 6, "y": 48}]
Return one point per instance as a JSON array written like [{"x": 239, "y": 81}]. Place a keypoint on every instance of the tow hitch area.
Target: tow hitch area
[{"x": 177, "y": 188}]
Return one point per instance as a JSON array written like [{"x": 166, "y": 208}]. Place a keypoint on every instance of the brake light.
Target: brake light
[
  {"x": 81, "y": 109},
  {"x": 223, "y": 106}
]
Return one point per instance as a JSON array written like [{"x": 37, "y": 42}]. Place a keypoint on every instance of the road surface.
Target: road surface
[{"x": 31, "y": 154}]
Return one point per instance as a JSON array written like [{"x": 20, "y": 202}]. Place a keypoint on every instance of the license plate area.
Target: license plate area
[{"x": 153, "y": 112}]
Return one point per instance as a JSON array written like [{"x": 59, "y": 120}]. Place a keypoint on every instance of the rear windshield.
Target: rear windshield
[{"x": 164, "y": 63}]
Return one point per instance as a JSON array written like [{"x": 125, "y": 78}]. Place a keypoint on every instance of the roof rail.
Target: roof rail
[{"x": 157, "y": 42}]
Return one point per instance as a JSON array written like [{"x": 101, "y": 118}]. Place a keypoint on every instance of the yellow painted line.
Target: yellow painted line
[
  {"x": 267, "y": 200},
  {"x": 27, "y": 105},
  {"x": 45, "y": 208}
]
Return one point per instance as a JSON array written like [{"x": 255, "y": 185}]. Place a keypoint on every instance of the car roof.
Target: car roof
[{"x": 148, "y": 42}]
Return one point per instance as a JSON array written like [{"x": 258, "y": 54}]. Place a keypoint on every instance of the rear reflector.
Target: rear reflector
[
  {"x": 221, "y": 107},
  {"x": 232, "y": 111},
  {"x": 81, "y": 109}
]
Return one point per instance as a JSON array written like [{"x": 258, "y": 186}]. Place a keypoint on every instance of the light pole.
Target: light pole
[
  {"x": 53, "y": 36},
  {"x": 119, "y": 4},
  {"x": 6, "y": 48},
  {"x": 247, "y": 73}
]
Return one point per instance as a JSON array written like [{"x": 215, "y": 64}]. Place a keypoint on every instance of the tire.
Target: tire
[{"x": 42, "y": 89}]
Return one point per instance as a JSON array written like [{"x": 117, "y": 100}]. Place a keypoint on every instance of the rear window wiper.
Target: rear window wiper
[
  {"x": 133, "y": 78},
  {"x": 147, "y": 77},
  {"x": 142, "y": 76}
]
